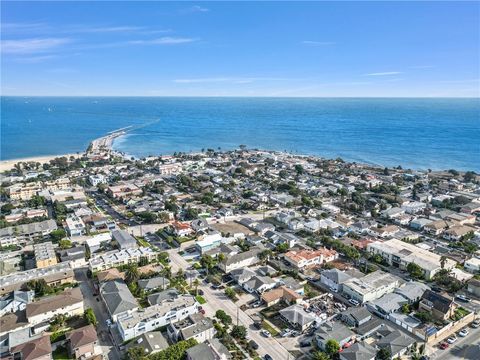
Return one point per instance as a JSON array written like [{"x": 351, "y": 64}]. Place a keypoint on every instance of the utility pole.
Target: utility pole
[{"x": 237, "y": 315}]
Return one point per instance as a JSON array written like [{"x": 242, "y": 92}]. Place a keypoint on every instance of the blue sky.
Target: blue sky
[{"x": 241, "y": 49}]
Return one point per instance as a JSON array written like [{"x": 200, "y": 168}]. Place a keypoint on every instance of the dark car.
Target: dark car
[
  {"x": 267, "y": 357},
  {"x": 253, "y": 345},
  {"x": 200, "y": 292}
]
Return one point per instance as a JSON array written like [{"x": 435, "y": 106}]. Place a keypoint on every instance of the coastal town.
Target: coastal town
[{"x": 240, "y": 254}]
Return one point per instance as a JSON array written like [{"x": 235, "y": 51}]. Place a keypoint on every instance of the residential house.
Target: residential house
[
  {"x": 334, "y": 279},
  {"x": 158, "y": 282},
  {"x": 356, "y": 316},
  {"x": 441, "y": 307},
  {"x": 82, "y": 343},
  {"x": 359, "y": 351},
  {"x": 94, "y": 243},
  {"x": 242, "y": 275},
  {"x": 181, "y": 229},
  {"x": 259, "y": 284},
  {"x": 117, "y": 298},
  {"x": 333, "y": 331},
  {"x": 151, "y": 342},
  {"x": 412, "y": 291},
  {"x": 69, "y": 302},
  {"x": 240, "y": 260},
  {"x": 37, "y": 349},
  {"x": 297, "y": 317},
  {"x": 74, "y": 255},
  {"x": 210, "y": 350},
  {"x": 282, "y": 293},
  {"x": 15, "y": 301},
  {"x": 195, "y": 326},
  {"x": 124, "y": 240},
  {"x": 309, "y": 258},
  {"x": 75, "y": 226}
]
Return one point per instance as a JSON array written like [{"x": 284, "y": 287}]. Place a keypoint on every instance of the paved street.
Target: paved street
[
  {"x": 467, "y": 348},
  {"x": 109, "y": 350},
  {"x": 218, "y": 300}
]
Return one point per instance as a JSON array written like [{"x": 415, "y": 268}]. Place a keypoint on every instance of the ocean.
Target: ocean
[{"x": 414, "y": 133}]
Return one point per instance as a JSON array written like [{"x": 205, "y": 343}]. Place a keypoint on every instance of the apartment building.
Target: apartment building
[
  {"x": 371, "y": 286},
  {"x": 70, "y": 303},
  {"x": 26, "y": 233},
  {"x": 155, "y": 316},
  {"x": 123, "y": 257},
  {"x": 44, "y": 255},
  {"x": 53, "y": 275},
  {"x": 399, "y": 254}
]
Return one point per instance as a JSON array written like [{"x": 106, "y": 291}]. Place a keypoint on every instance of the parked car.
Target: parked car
[
  {"x": 285, "y": 332},
  {"x": 476, "y": 324},
  {"x": 452, "y": 339},
  {"x": 463, "y": 298},
  {"x": 253, "y": 344},
  {"x": 463, "y": 332},
  {"x": 306, "y": 342},
  {"x": 267, "y": 357},
  {"x": 354, "y": 302},
  {"x": 265, "y": 333},
  {"x": 257, "y": 304},
  {"x": 444, "y": 345}
]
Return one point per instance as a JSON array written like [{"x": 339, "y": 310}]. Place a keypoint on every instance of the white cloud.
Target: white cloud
[
  {"x": 198, "y": 8},
  {"x": 386, "y": 73},
  {"x": 233, "y": 80},
  {"x": 162, "y": 41},
  {"x": 317, "y": 43},
  {"x": 31, "y": 46}
]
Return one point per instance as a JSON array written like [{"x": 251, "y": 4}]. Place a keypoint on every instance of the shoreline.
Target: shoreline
[{"x": 6, "y": 165}]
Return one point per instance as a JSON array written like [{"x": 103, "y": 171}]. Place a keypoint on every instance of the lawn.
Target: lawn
[
  {"x": 200, "y": 299},
  {"x": 61, "y": 354},
  {"x": 269, "y": 328},
  {"x": 142, "y": 242}
]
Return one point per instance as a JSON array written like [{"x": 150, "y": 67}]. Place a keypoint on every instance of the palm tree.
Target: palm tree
[
  {"x": 196, "y": 283},
  {"x": 132, "y": 274},
  {"x": 443, "y": 260}
]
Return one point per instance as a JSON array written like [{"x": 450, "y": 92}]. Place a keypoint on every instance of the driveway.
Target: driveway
[
  {"x": 467, "y": 348},
  {"x": 98, "y": 307}
]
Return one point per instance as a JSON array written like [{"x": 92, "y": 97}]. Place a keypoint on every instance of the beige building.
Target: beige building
[
  {"x": 44, "y": 255},
  {"x": 83, "y": 343},
  {"x": 70, "y": 303}
]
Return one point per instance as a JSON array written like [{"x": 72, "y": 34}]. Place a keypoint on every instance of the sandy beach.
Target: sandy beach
[{"x": 8, "y": 164}]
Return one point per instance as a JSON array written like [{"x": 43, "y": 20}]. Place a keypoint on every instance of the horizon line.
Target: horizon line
[{"x": 245, "y": 96}]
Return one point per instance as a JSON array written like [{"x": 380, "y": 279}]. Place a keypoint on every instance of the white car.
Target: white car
[
  {"x": 265, "y": 333},
  {"x": 354, "y": 302},
  {"x": 286, "y": 333},
  {"x": 463, "y": 332},
  {"x": 476, "y": 324},
  {"x": 452, "y": 339}
]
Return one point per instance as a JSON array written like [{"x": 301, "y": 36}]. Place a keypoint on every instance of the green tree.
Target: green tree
[
  {"x": 131, "y": 274},
  {"x": 223, "y": 317},
  {"x": 383, "y": 354},
  {"x": 40, "y": 287},
  {"x": 443, "y": 261},
  {"x": 196, "y": 283},
  {"x": 136, "y": 353},
  {"x": 230, "y": 293},
  {"x": 57, "y": 235},
  {"x": 332, "y": 347},
  {"x": 174, "y": 352},
  {"x": 65, "y": 244},
  {"x": 239, "y": 332},
  {"x": 415, "y": 271},
  {"x": 90, "y": 317},
  {"x": 320, "y": 355}
]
